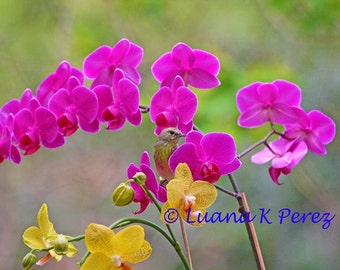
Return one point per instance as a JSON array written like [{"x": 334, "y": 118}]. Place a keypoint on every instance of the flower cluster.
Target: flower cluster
[
  {"x": 63, "y": 103},
  {"x": 174, "y": 105},
  {"x": 188, "y": 173},
  {"x": 279, "y": 102}
]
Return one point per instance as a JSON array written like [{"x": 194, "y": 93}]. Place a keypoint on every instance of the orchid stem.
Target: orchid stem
[
  {"x": 255, "y": 145},
  {"x": 186, "y": 242},
  {"x": 244, "y": 208},
  {"x": 226, "y": 191},
  {"x": 159, "y": 209},
  {"x": 144, "y": 108}
]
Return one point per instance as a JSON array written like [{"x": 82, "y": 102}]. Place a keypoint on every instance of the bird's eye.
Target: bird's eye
[{"x": 172, "y": 132}]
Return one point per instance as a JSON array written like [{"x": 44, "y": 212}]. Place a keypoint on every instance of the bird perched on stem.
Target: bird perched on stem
[{"x": 166, "y": 144}]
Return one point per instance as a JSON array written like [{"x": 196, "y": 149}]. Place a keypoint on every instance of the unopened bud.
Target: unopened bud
[
  {"x": 61, "y": 245},
  {"x": 28, "y": 261},
  {"x": 139, "y": 178},
  {"x": 123, "y": 195}
]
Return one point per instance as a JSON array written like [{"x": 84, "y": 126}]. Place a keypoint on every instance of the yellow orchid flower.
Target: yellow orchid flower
[
  {"x": 112, "y": 251},
  {"x": 44, "y": 236},
  {"x": 188, "y": 197}
]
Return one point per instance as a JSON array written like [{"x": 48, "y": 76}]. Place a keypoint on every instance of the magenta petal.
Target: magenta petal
[
  {"x": 59, "y": 102},
  {"x": 135, "y": 55},
  {"x": 162, "y": 67},
  {"x": 166, "y": 119},
  {"x": 219, "y": 147},
  {"x": 57, "y": 142},
  {"x": 229, "y": 167},
  {"x": 131, "y": 73},
  {"x": 253, "y": 117},
  {"x": 143, "y": 205},
  {"x": 11, "y": 107},
  {"x": 119, "y": 52},
  {"x": 105, "y": 99},
  {"x": 275, "y": 174},
  {"x": 72, "y": 83},
  {"x": 162, "y": 194},
  {"x": 284, "y": 161},
  {"x": 176, "y": 84},
  {"x": 202, "y": 79},
  {"x": 288, "y": 93},
  {"x": 168, "y": 81},
  {"x": 183, "y": 56},
  {"x": 186, "y": 153},
  {"x": 135, "y": 118},
  {"x": 26, "y": 98},
  {"x": 185, "y": 104},
  {"x": 262, "y": 156},
  {"x": 86, "y": 103},
  {"x": 284, "y": 114},
  {"x": 267, "y": 93},
  {"x": 298, "y": 153},
  {"x": 160, "y": 102},
  {"x": 46, "y": 124},
  {"x": 185, "y": 128},
  {"x": 92, "y": 127},
  {"x": 322, "y": 125},
  {"x": 23, "y": 120},
  {"x": 15, "y": 154},
  {"x": 127, "y": 95},
  {"x": 247, "y": 96},
  {"x": 206, "y": 61},
  {"x": 62, "y": 74},
  {"x": 151, "y": 180},
  {"x": 132, "y": 170},
  {"x": 104, "y": 77},
  {"x": 145, "y": 159},
  {"x": 96, "y": 61},
  {"x": 195, "y": 137},
  {"x": 315, "y": 145}
]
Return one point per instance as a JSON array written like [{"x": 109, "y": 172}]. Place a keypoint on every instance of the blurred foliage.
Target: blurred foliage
[{"x": 255, "y": 40}]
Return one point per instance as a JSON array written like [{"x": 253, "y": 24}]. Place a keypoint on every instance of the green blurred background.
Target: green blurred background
[{"x": 255, "y": 40}]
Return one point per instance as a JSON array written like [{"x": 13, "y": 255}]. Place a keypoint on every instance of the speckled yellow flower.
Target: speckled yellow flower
[
  {"x": 44, "y": 236},
  {"x": 111, "y": 250},
  {"x": 187, "y": 197}
]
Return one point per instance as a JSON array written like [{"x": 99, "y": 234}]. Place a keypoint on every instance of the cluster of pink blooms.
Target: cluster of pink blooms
[
  {"x": 174, "y": 105},
  {"x": 279, "y": 102},
  {"x": 63, "y": 104}
]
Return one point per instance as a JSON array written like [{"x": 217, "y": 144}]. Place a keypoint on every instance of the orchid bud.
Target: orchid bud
[
  {"x": 123, "y": 194},
  {"x": 28, "y": 261},
  {"x": 139, "y": 178},
  {"x": 61, "y": 245}
]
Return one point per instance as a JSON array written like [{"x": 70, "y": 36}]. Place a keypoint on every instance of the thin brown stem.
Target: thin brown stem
[
  {"x": 255, "y": 145},
  {"x": 226, "y": 191},
  {"x": 186, "y": 242},
  {"x": 244, "y": 208}
]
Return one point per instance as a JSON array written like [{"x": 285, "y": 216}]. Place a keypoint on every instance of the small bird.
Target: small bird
[{"x": 166, "y": 144}]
